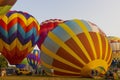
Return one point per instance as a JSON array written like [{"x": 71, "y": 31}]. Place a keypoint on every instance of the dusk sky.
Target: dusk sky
[{"x": 104, "y": 13}]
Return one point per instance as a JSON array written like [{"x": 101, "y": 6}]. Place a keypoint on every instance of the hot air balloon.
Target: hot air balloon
[
  {"x": 5, "y": 6},
  {"x": 34, "y": 58},
  {"x": 115, "y": 45},
  {"x": 19, "y": 33},
  {"x": 22, "y": 64},
  {"x": 75, "y": 48},
  {"x": 45, "y": 27}
]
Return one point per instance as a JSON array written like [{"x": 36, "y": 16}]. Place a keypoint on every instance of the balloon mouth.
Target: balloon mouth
[{"x": 94, "y": 68}]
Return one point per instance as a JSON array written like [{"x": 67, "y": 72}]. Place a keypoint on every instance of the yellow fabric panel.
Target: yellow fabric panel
[
  {"x": 100, "y": 44},
  {"x": 30, "y": 20},
  {"x": 110, "y": 63},
  {"x": 5, "y": 19},
  {"x": 14, "y": 44},
  {"x": 106, "y": 53},
  {"x": 30, "y": 49},
  {"x": 109, "y": 59},
  {"x": 76, "y": 39},
  {"x": 58, "y": 58},
  {"x": 22, "y": 17},
  {"x": 1, "y": 16},
  {"x": 64, "y": 46},
  {"x": 18, "y": 15},
  {"x": 92, "y": 65},
  {"x": 83, "y": 27}
]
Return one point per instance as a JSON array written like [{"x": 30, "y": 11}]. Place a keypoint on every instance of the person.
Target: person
[
  {"x": 96, "y": 73},
  {"x": 3, "y": 73},
  {"x": 115, "y": 75},
  {"x": 52, "y": 71},
  {"x": 92, "y": 73},
  {"x": 111, "y": 76},
  {"x": 42, "y": 72}
]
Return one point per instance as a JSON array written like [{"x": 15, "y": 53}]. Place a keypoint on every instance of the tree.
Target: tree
[{"x": 3, "y": 62}]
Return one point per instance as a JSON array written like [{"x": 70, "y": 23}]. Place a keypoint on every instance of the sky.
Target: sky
[{"x": 104, "y": 13}]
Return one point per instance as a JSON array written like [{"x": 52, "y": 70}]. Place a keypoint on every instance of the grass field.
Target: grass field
[{"x": 43, "y": 78}]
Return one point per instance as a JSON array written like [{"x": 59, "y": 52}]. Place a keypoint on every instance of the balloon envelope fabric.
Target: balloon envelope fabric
[
  {"x": 34, "y": 58},
  {"x": 22, "y": 64},
  {"x": 45, "y": 27},
  {"x": 115, "y": 45},
  {"x": 19, "y": 33},
  {"x": 75, "y": 48},
  {"x": 5, "y": 6}
]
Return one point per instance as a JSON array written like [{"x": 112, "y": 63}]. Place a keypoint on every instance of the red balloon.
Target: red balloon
[{"x": 45, "y": 27}]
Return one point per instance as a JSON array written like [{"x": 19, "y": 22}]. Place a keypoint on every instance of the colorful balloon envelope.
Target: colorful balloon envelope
[
  {"x": 45, "y": 27},
  {"x": 75, "y": 48},
  {"x": 19, "y": 33},
  {"x": 34, "y": 58},
  {"x": 5, "y": 6},
  {"x": 115, "y": 45}
]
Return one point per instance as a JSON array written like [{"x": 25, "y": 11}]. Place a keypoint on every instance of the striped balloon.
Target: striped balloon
[
  {"x": 19, "y": 33},
  {"x": 45, "y": 27},
  {"x": 115, "y": 45},
  {"x": 34, "y": 58},
  {"x": 5, "y": 6},
  {"x": 74, "y": 48}
]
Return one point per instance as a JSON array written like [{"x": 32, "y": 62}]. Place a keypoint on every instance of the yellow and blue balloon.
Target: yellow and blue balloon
[{"x": 75, "y": 48}]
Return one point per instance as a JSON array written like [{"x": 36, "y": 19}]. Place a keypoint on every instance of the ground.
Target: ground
[{"x": 43, "y": 78}]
